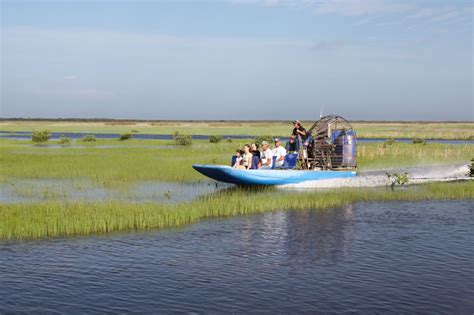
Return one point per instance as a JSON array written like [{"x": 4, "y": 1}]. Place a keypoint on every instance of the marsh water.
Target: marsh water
[
  {"x": 20, "y": 190},
  {"x": 24, "y": 135},
  {"x": 412, "y": 257},
  {"x": 16, "y": 190}
]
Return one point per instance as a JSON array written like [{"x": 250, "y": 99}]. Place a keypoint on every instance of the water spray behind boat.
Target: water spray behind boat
[{"x": 414, "y": 175}]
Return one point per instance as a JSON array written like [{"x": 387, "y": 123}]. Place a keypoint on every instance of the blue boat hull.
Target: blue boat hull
[{"x": 236, "y": 176}]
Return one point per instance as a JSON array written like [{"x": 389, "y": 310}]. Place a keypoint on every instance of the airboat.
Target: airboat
[{"x": 330, "y": 152}]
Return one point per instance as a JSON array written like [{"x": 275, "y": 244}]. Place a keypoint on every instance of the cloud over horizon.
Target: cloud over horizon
[{"x": 361, "y": 71}]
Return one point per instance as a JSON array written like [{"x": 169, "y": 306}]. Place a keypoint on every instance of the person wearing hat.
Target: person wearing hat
[
  {"x": 299, "y": 130},
  {"x": 280, "y": 152},
  {"x": 266, "y": 156}
]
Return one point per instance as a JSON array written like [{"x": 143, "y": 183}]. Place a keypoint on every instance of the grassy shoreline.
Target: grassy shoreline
[
  {"x": 114, "y": 164},
  {"x": 59, "y": 219},
  {"x": 425, "y": 130},
  {"x": 133, "y": 161}
]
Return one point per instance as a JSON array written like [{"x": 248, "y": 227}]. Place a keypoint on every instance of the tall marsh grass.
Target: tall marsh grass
[
  {"x": 133, "y": 162},
  {"x": 409, "y": 130},
  {"x": 54, "y": 219}
]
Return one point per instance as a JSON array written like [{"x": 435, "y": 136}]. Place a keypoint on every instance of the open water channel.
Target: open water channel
[{"x": 401, "y": 257}]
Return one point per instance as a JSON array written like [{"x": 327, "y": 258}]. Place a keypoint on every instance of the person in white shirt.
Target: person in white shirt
[
  {"x": 279, "y": 152},
  {"x": 266, "y": 156}
]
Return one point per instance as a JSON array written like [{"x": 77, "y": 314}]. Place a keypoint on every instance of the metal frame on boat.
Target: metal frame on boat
[{"x": 332, "y": 145}]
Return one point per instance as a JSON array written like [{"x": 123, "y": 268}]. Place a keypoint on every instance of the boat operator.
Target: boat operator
[{"x": 300, "y": 133}]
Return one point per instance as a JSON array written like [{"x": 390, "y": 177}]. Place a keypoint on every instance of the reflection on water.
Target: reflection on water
[
  {"x": 405, "y": 257},
  {"x": 299, "y": 234}
]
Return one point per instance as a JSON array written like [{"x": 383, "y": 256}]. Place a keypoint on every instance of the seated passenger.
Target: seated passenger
[
  {"x": 266, "y": 156},
  {"x": 280, "y": 153},
  {"x": 247, "y": 157},
  {"x": 256, "y": 160},
  {"x": 254, "y": 150},
  {"x": 292, "y": 145},
  {"x": 238, "y": 160}
]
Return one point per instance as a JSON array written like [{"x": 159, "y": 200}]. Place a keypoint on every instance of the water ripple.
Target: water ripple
[{"x": 404, "y": 257}]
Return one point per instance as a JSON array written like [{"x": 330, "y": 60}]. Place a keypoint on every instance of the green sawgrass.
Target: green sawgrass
[
  {"x": 132, "y": 163},
  {"x": 58, "y": 219},
  {"x": 425, "y": 130}
]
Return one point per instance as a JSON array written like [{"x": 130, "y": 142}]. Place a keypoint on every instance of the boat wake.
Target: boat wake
[{"x": 417, "y": 175}]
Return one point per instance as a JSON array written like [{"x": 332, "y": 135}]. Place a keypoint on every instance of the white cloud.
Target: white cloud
[
  {"x": 341, "y": 7},
  {"x": 422, "y": 13},
  {"x": 137, "y": 74},
  {"x": 359, "y": 7},
  {"x": 70, "y": 77},
  {"x": 264, "y": 2},
  {"x": 92, "y": 94},
  {"x": 372, "y": 8},
  {"x": 445, "y": 14},
  {"x": 328, "y": 45}
]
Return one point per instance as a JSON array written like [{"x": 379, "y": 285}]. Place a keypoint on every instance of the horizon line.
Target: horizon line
[{"x": 101, "y": 119}]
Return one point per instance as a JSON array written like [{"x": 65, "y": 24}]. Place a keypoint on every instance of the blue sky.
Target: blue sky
[{"x": 237, "y": 59}]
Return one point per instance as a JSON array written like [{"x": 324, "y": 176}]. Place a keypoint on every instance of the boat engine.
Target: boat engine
[{"x": 333, "y": 145}]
